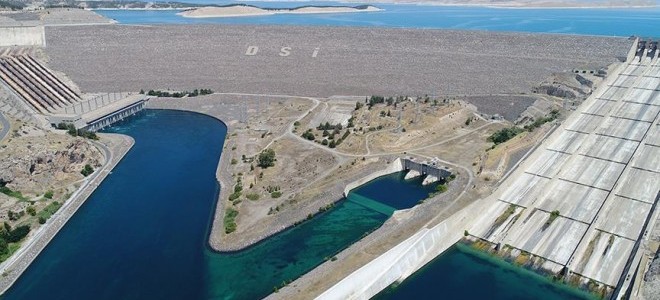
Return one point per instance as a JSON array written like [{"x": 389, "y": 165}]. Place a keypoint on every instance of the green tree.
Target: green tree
[
  {"x": 87, "y": 170},
  {"x": 266, "y": 158}
]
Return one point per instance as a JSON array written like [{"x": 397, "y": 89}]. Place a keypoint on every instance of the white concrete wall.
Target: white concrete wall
[
  {"x": 395, "y": 166},
  {"x": 22, "y": 36},
  {"x": 404, "y": 259}
]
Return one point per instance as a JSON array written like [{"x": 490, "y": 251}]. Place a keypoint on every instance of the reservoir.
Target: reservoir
[
  {"x": 598, "y": 21},
  {"x": 143, "y": 233}
]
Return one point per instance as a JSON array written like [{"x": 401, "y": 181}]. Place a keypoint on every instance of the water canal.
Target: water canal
[
  {"x": 143, "y": 233},
  {"x": 465, "y": 273}
]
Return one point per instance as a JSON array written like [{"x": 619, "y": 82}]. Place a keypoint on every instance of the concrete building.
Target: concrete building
[{"x": 22, "y": 35}]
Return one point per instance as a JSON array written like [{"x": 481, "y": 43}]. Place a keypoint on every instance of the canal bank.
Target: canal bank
[{"x": 114, "y": 147}]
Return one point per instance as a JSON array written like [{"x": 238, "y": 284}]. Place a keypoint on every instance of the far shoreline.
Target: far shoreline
[{"x": 244, "y": 10}]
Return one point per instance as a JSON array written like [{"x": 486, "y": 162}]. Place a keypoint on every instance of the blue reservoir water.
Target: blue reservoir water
[
  {"x": 609, "y": 22},
  {"x": 465, "y": 273},
  {"x": 143, "y": 233}
]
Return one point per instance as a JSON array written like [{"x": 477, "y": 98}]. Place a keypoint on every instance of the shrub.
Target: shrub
[
  {"x": 31, "y": 211},
  {"x": 276, "y": 194},
  {"x": 252, "y": 196},
  {"x": 230, "y": 220},
  {"x": 504, "y": 135},
  {"x": 48, "y": 195},
  {"x": 18, "y": 233}
]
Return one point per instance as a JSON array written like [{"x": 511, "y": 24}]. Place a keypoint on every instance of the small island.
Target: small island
[{"x": 241, "y": 10}]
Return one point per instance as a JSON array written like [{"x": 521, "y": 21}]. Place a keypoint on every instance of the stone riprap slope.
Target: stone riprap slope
[{"x": 349, "y": 61}]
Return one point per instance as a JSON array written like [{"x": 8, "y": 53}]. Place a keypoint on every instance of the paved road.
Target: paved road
[{"x": 5, "y": 126}]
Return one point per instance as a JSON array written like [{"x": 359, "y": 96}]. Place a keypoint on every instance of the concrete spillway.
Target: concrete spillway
[
  {"x": 430, "y": 179},
  {"x": 412, "y": 174},
  {"x": 600, "y": 171}
]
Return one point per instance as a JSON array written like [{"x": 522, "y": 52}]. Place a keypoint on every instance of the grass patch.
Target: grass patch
[
  {"x": 276, "y": 194},
  {"x": 49, "y": 210},
  {"x": 252, "y": 196}
]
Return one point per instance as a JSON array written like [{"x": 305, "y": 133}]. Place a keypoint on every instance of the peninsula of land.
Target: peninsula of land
[{"x": 249, "y": 10}]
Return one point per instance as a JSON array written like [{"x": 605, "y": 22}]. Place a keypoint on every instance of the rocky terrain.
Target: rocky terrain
[
  {"x": 38, "y": 167},
  {"x": 570, "y": 85}
]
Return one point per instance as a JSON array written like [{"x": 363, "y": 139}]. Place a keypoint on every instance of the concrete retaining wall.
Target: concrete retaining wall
[
  {"x": 403, "y": 260},
  {"x": 395, "y": 166},
  {"x": 22, "y": 36}
]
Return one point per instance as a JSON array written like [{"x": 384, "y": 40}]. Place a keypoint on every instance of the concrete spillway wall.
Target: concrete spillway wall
[
  {"x": 395, "y": 166},
  {"x": 403, "y": 260},
  {"x": 22, "y": 36},
  {"x": 425, "y": 169}
]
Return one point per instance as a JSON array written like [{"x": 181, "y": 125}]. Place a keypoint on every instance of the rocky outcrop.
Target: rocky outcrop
[
  {"x": 568, "y": 85},
  {"x": 34, "y": 164}
]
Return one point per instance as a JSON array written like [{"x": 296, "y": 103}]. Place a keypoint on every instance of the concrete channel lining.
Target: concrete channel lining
[
  {"x": 624, "y": 81},
  {"x": 600, "y": 107},
  {"x": 585, "y": 123},
  {"x": 637, "y": 111},
  {"x": 609, "y": 148},
  {"x": 648, "y": 83},
  {"x": 568, "y": 141},
  {"x": 648, "y": 158},
  {"x": 601, "y": 259},
  {"x": 620, "y": 216},
  {"x": 524, "y": 190},
  {"x": 555, "y": 242},
  {"x": 639, "y": 184},
  {"x": 653, "y": 137},
  {"x": 573, "y": 200},
  {"x": 593, "y": 172},
  {"x": 624, "y": 128},
  {"x": 549, "y": 163},
  {"x": 642, "y": 96},
  {"x": 487, "y": 229}
]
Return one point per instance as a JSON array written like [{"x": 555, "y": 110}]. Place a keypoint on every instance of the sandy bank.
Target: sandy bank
[{"x": 245, "y": 10}]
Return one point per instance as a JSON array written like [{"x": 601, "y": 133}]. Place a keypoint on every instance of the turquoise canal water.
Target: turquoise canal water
[
  {"x": 464, "y": 273},
  {"x": 143, "y": 233},
  {"x": 609, "y": 22}
]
